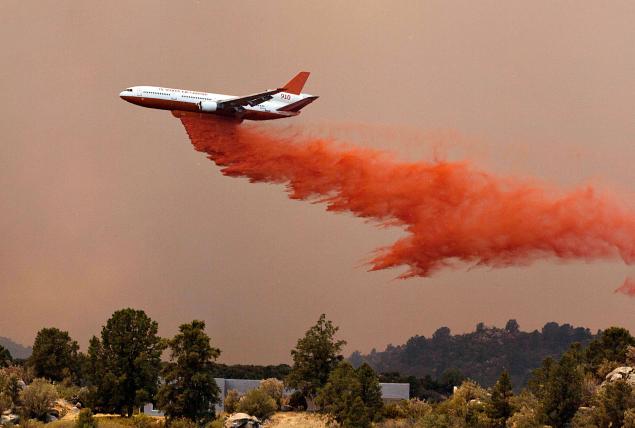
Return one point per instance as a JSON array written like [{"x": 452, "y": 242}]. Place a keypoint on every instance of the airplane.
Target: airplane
[{"x": 286, "y": 101}]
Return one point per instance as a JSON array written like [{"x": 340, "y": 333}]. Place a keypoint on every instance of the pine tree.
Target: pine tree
[
  {"x": 86, "y": 419},
  {"x": 54, "y": 355},
  {"x": 5, "y": 357},
  {"x": 314, "y": 357},
  {"x": 357, "y": 416},
  {"x": 614, "y": 399},
  {"x": 563, "y": 391},
  {"x": 501, "y": 409},
  {"x": 340, "y": 391},
  {"x": 190, "y": 390},
  {"x": 127, "y": 361},
  {"x": 612, "y": 345},
  {"x": 370, "y": 391}
]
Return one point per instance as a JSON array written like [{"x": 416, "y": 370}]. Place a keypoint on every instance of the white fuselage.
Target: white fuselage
[{"x": 280, "y": 105}]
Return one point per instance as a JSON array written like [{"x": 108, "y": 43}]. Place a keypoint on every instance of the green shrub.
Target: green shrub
[
  {"x": 257, "y": 403},
  {"x": 413, "y": 409},
  {"x": 584, "y": 418},
  {"x": 86, "y": 419},
  {"x": 629, "y": 418},
  {"x": 217, "y": 423},
  {"x": 142, "y": 420},
  {"x": 68, "y": 391},
  {"x": 182, "y": 423},
  {"x": 38, "y": 398},
  {"x": 9, "y": 389},
  {"x": 231, "y": 401},
  {"x": 31, "y": 423},
  {"x": 61, "y": 423},
  {"x": 297, "y": 401},
  {"x": 274, "y": 388}
]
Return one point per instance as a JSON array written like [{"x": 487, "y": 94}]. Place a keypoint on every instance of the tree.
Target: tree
[
  {"x": 501, "y": 408},
  {"x": 127, "y": 361},
  {"x": 86, "y": 419},
  {"x": 190, "y": 390},
  {"x": 357, "y": 415},
  {"x": 540, "y": 377},
  {"x": 54, "y": 355},
  {"x": 370, "y": 391},
  {"x": 257, "y": 403},
  {"x": 612, "y": 345},
  {"x": 5, "y": 357},
  {"x": 614, "y": 399},
  {"x": 38, "y": 398},
  {"x": 512, "y": 326},
  {"x": 9, "y": 389},
  {"x": 231, "y": 401},
  {"x": 314, "y": 357},
  {"x": 340, "y": 392},
  {"x": 629, "y": 418},
  {"x": 563, "y": 391},
  {"x": 274, "y": 388}
]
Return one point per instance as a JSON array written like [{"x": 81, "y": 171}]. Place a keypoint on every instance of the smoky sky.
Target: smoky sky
[{"x": 106, "y": 205}]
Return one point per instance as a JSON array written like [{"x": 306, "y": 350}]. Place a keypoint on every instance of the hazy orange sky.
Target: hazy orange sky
[{"x": 106, "y": 205}]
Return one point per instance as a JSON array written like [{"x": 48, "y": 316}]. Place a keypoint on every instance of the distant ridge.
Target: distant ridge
[
  {"x": 480, "y": 355},
  {"x": 17, "y": 351}
]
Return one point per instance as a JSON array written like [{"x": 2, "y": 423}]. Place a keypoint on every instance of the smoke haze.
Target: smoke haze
[{"x": 105, "y": 206}]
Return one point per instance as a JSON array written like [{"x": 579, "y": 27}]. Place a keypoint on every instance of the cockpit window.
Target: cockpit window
[{"x": 129, "y": 89}]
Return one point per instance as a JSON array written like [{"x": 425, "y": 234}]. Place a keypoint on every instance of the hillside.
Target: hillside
[
  {"x": 17, "y": 351},
  {"x": 480, "y": 355}
]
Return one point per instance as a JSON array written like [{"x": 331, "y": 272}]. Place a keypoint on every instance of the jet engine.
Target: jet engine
[{"x": 207, "y": 106}]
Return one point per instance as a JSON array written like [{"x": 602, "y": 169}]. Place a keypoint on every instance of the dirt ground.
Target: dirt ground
[{"x": 296, "y": 419}]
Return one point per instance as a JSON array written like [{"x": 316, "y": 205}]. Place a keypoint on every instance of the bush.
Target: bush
[
  {"x": 86, "y": 396},
  {"x": 629, "y": 418},
  {"x": 38, "y": 398},
  {"x": 297, "y": 401},
  {"x": 31, "y": 423},
  {"x": 614, "y": 399},
  {"x": 231, "y": 401},
  {"x": 413, "y": 409},
  {"x": 86, "y": 419},
  {"x": 142, "y": 420},
  {"x": 584, "y": 418},
  {"x": 182, "y": 423},
  {"x": 257, "y": 403},
  {"x": 274, "y": 388},
  {"x": 216, "y": 423},
  {"x": 9, "y": 389}
]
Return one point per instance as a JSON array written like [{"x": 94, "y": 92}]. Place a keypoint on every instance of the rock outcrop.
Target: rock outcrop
[{"x": 622, "y": 373}]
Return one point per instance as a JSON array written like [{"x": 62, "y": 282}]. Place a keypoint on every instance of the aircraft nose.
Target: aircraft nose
[{"x": 122, "y": 94}]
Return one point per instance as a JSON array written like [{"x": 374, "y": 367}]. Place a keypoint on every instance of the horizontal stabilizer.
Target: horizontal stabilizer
[{"x": 298, "y": 105}]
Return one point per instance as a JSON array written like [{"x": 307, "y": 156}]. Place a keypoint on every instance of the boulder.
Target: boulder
[
  {"x": 242, "y": 420},
  {"x": 622, "y": 373},
  {"x": 9, "y": 419}
]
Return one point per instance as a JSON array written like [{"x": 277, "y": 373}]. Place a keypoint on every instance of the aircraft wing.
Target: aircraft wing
[{"x": 249, "y": 100}]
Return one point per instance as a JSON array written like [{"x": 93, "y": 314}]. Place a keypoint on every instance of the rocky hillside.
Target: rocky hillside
[{"x": 480, "y": 355}]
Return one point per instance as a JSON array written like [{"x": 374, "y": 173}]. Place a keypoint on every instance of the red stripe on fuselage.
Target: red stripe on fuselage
[{"x": 162, "y": 104}]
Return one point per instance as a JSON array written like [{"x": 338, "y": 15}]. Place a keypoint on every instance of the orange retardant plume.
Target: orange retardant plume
[
  {"x": 452, "y": 214},
  {"x": 627, "y": 288}
]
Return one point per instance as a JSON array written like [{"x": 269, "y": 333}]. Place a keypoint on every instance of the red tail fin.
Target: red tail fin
[{"x": 296, "y": 84}]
